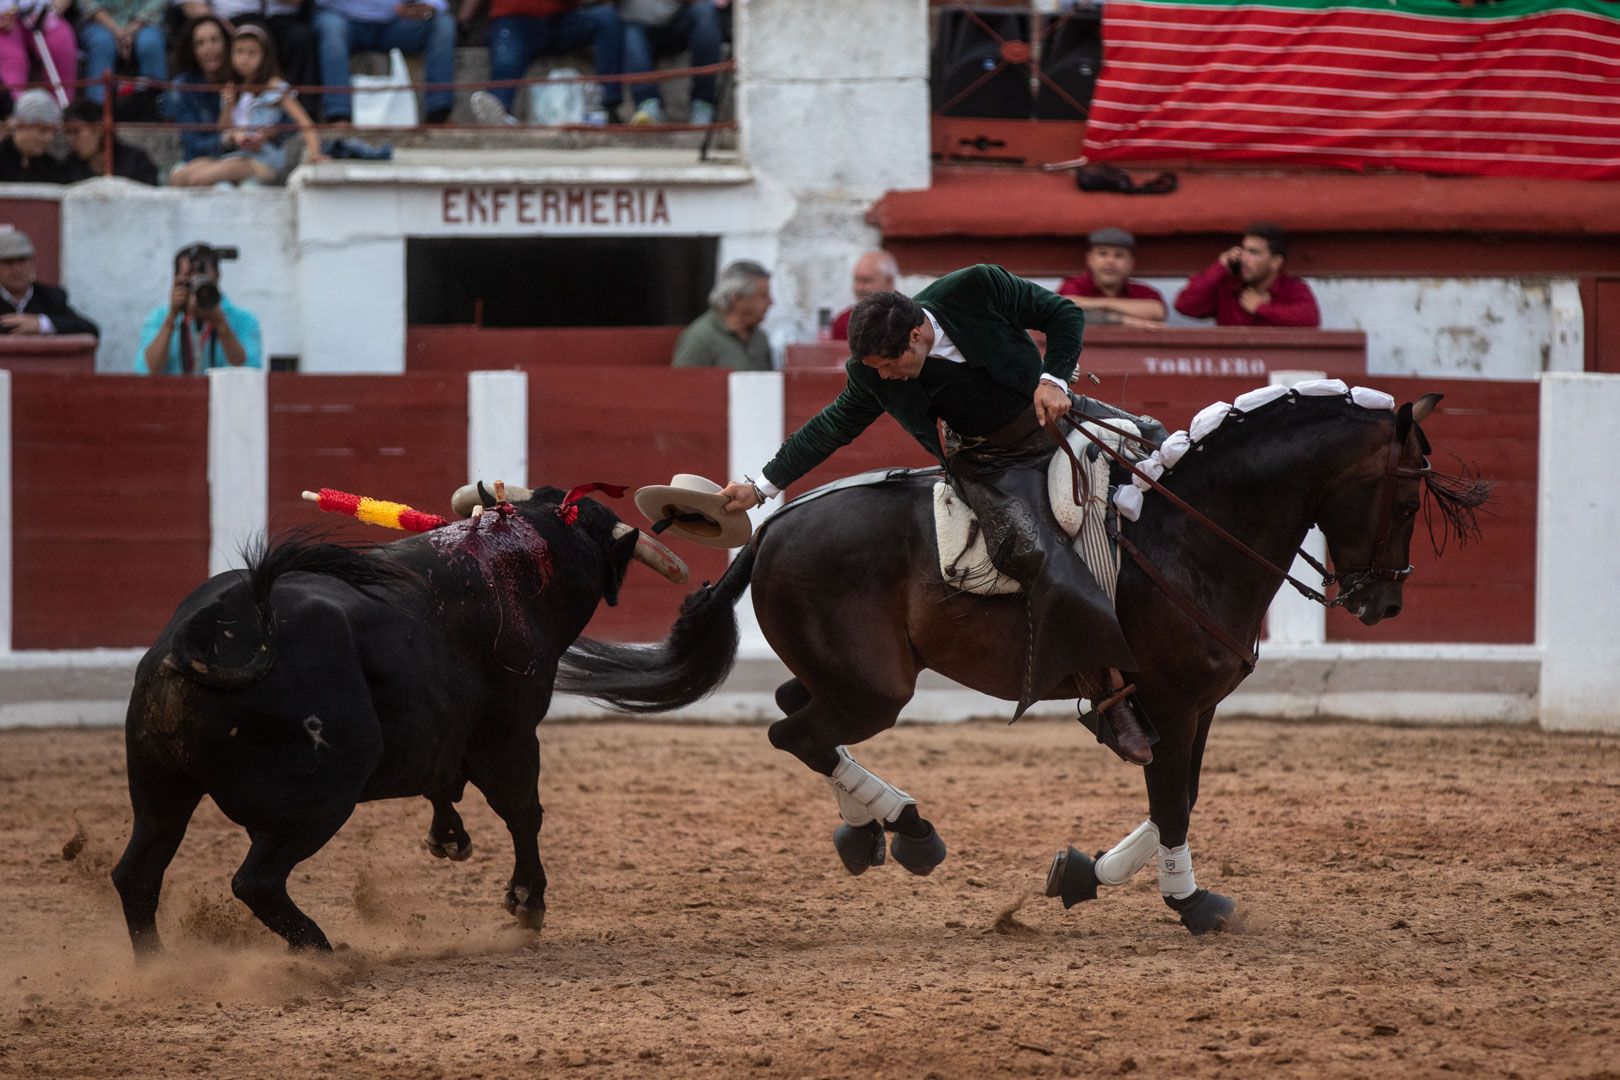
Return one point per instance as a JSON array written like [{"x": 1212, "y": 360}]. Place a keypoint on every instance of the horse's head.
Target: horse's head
[{"x": 1369, "y": 518}]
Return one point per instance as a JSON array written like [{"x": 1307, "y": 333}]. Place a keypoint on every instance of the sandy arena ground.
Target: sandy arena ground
[{"x": 1420, "y": 902}]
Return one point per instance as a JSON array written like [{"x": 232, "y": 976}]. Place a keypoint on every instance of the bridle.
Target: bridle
[{"x": 1351, "y": 580}]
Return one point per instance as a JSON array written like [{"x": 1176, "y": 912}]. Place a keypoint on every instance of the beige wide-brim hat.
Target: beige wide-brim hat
[{"x": 695, "y": 510}]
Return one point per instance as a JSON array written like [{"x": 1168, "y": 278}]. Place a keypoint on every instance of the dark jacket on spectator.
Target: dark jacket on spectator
[
  {"x": 195, "y": 107},
  {"x": 51, "y": 301},
  {"x": 130, "y": 162},
  {"x": 41, "y": 170}
]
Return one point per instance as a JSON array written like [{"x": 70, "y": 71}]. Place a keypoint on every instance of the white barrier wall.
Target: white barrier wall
[
  {"x": 118, "y": 245},
  {"x": 1577, "y": 570}
]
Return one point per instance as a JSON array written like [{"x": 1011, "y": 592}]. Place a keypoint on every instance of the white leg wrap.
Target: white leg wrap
[
  {"x": 1116, "y": 865},
  {"x": 864, "y": 797},
  {"x": 1176, "y": 872}
]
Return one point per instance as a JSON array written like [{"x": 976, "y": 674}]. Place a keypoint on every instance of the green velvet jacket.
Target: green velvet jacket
[{"x": 985, "y": 311}]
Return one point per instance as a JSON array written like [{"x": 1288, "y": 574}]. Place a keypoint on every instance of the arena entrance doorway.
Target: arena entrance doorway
[{"x": 527, "y": 301}]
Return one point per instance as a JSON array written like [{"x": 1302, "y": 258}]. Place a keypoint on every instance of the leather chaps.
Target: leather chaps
[{"x": 1073, "y": 631}]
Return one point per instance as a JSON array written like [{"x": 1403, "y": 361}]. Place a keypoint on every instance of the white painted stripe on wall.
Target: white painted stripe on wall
[
  {"x": 757, "y": 416},
  {"x": 5, "y": 512},
  {"x": 238, "y": 463},
  {"x": 498, "y": 426},
  {"x": 1292, "y": 619},
  {"x": 1577, "y": 519}
]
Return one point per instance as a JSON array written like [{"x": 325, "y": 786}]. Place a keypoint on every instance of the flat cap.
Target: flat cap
[
  {"x": 1112, "y": 237},
  {"x": 37, "y": 107},
  {"x": 15, "y": 245}
]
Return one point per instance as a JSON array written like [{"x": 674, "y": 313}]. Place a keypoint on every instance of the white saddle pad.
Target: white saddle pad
[{"x": 964, "y": 561}]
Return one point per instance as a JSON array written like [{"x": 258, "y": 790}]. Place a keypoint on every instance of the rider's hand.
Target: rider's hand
[
  {"x": 1051, "y": 402},
  {"x": 740, "y": 496}
]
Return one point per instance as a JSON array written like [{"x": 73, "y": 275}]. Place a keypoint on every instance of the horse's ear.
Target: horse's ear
[
  {"x": 1423, "y": 406},
  {"x": 1403, "y": 422}
]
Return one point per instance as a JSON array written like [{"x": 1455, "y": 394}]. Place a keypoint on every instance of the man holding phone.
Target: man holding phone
[{"x": 1246, "y": 286}]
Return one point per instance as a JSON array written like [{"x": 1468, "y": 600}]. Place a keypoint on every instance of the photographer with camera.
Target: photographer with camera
[
  {"x": 1246, "y": 286},
  {"x": 199, "y": 328}
]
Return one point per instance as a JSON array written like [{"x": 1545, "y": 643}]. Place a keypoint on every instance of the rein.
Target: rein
[{"x": 1350, "y": 581}]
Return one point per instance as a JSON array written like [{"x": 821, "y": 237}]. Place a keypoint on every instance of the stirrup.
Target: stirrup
[{"x": 1096, "y": 721}]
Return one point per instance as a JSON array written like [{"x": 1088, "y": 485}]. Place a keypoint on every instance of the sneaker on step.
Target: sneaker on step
[
  {"x": 702, "y": 112},
  {"x": 650, "y": 111},
  {"x": 487, "y": 108}
]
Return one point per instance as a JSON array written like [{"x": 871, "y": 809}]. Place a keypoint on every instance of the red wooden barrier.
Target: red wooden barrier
[
  {"x": 470, "y": 348},
  {"x": 587, "y": 424},
  {"x": 55, "y": 354},
  {"x": 398, "y": 437},
  {"x": 110, "y": 506},
  {"x": 1482, "y": 593}
]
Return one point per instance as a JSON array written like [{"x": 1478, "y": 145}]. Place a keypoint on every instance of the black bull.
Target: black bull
[{"x": 324, "y": 676}]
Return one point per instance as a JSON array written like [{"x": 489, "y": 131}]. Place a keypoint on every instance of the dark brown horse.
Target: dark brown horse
[{"x": 848, "y": 593}]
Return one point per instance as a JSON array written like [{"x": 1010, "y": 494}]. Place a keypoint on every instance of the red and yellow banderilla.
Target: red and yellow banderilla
[{"x": 390, "y": 515}]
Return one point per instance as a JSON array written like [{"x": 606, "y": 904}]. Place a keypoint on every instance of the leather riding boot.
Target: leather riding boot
[{"x": 1130, "y": 742}]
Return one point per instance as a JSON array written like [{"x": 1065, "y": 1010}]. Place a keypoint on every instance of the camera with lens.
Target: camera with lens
[{"x": 203, "y": 282}]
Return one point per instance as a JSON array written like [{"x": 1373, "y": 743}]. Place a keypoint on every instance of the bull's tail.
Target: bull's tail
[
  {"x": 231, "y": 643},
  {"x": 690, "y": 663}
]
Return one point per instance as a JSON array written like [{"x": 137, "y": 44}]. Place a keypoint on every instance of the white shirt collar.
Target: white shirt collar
[{"x": 943, "y": 348}]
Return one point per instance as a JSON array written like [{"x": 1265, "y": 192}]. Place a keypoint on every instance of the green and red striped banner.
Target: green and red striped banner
[{"x": 1515, "y": 88}]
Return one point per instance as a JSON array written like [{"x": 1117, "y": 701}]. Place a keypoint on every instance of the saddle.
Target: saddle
[{"x": 964, "y": 561}]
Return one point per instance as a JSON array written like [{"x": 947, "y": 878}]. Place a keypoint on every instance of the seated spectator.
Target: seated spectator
[
  {"x": 1247, "y": 287},
  {"x": 198, "y": 328},
  {"x": 255, "y": 110},
  {"x": 1105, "y": 292},
  {"x": 728, "y": 335},
  {"x": 28, "y": 306},
  {"x": 521, "y": 30},
  {"x": 202, "y": 60},
  {"x": 25, "y": 153},
  {"x": 876, "y": 271},
  {"x": 88, "y": 147},
  {"x": 654, "y": 28},
  {"x": 345, "y": 27},
  {"x": 19, "y": 48},
  {"x": 116, "y": 30},
  {"x": 294, "y": 39}
]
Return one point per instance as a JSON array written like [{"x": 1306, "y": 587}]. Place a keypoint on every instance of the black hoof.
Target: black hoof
[
  {"x": 920, "y": 856},
  {"x": 1073, "y": 876},
  {"x": 529, "y": 910},
  {"x": 1203, "y": 911},
  {"x": 455, "y": 851},
  {"x": 859, "y": 846}
]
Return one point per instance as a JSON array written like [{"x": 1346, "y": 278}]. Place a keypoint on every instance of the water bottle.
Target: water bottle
[{"x": 595, "y": 111}]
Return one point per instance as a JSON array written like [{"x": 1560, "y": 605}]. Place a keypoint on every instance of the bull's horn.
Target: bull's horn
[
  {"x": 466, "y": 497},
  {"x": 655, "y": 555}
]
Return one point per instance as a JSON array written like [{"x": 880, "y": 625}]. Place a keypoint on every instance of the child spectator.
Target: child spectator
[
  {"x": 118, "y": 30},
  {"x": 25, "y": 153},
  {"x": 202, "y": 60},
  {"x": 19, "y": 19},
  {"x": 88, "y": 148},
  {"x": 255, "y": 108},
  {"x": 654, "y": 28},
  {"x": 294, "y": 37}
]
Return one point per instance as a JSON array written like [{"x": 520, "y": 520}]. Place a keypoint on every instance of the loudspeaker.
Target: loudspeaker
[
  {"x": 964, "y": 51},
  {"x": 1071, "y": 58}
]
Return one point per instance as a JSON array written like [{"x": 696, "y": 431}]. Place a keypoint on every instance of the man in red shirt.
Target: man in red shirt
[
  {"x": 875, "y": 271},
  {"x": 1247, "y": 286},
  {"x": 1105, "y": 292}
]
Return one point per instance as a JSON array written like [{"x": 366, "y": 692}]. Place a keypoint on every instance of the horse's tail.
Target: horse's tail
[{"x": 695, "y": 658}]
